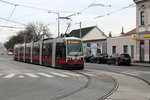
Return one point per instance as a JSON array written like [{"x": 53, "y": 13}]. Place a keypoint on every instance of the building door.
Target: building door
[{"x": 142, "y": 51}]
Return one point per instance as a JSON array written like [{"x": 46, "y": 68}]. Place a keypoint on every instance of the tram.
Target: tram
[{"x": 61, "y": 52}]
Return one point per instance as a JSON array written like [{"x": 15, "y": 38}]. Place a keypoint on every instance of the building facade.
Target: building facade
[
  {"x": 122, "y": 44},
  {"x": 142, "y": 30},
  {"x": 94, "y": 40}
]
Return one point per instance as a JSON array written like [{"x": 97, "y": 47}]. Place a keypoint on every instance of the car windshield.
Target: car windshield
[
  {"x": 102, "y": 54},
  {"x": 125, "y": 55},
  {"x": 74, "y": 48}
]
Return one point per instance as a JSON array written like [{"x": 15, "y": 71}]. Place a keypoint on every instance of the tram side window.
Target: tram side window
[
  {"x": 60, "y": 51},
  {"x": 36, "y": 50},
  {"x": 47, "y": 50},
  {"x": 43, "y": 51},
  {"x": 28, "y": 50},
  {"x": 21, "y": 51},
  {"x": 16, "y": 51}
]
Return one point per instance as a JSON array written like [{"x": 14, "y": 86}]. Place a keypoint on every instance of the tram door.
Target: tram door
[
  {"x": 60, "y": 56},
  {"x": 47, "y": 54}
]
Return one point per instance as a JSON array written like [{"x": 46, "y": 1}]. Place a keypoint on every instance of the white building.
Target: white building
[{"x": 93, "y": 38}]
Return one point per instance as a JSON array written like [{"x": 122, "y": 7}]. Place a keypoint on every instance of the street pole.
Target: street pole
[
  {"x": 58, "y": 24},
  {"x": 80, "y": 31},
  {"x": 58, "y": 20}
]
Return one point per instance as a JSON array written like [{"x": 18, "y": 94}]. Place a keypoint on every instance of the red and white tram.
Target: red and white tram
[{"x": 60, "y": 52}]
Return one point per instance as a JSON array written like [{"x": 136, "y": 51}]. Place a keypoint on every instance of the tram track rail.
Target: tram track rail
[
  {"x": 115, "y": 87},
  {"x": 75, "y": 91},
  {"x": 126, "y": 74}
]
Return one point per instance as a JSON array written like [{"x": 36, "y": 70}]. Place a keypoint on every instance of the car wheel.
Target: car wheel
[
  {"x": 117, "y": 63},
  {"x": 98, "y": 61},
  {"x": 128, "y": 64},
  {"x": 108, "y": 62}
]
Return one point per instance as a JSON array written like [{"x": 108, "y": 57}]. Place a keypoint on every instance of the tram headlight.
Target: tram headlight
[
  {"x": 81, "y": 58},
  {"x": 69, "y": 58}
]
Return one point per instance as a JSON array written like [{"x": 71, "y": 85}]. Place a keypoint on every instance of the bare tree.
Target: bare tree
[
  {"x": 38, "y": 30},
  {"x": 32, "y": 32}
]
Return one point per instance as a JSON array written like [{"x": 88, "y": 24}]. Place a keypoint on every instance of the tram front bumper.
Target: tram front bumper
[{"x": 73, "y": 65}]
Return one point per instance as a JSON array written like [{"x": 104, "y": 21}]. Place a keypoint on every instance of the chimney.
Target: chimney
[
  {"x": 110, "y": 35},
  {"x": 122, "y": 33}
]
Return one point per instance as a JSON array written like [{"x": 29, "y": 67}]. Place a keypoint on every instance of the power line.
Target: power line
[
  {"x": 79, "y": 12},
  {"x": 9, "y": 16},
  {"x": 91, "y": 5},
  {"x": 4, "y": 26},
  {"x": 37, "y": 8},
  {"x": 108, "y": 14},
  {"x": 12, "y": 21}
]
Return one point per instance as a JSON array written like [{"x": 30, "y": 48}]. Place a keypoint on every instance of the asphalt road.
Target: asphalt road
[
  {"x": 137, "y": 71},
  {"x": 22, "y": 81}
]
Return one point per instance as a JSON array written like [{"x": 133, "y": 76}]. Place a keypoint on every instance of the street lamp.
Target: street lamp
[
  {"x": 98, "y": 4},
  {"x": 58, "y": 20},
  {"x": 69, "y": 24}
]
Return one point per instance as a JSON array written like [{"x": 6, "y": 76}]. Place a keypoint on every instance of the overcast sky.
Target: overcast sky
[{"x": 101, "y": 14}]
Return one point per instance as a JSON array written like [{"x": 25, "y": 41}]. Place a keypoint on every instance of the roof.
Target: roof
[
  {"x": 136, "y": 1},
  {"x": 84, "y": 31},
  {"x": 95, "y": 40},
  {"x": 130, "y": 32}
]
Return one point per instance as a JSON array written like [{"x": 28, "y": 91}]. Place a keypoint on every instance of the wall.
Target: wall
[
  {"x": 119, "y": 42},
  {"x": 94, "y": 34},
  {"x": 143, "y": 6}
]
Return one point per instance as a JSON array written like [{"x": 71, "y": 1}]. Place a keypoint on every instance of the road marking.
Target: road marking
[
  {"x": 46, "y": 75},
  {"x": 1, "y": 74},
  {"x": 146, "y": 72},
  {"x": 31, "y": 75},
  {"x": 50, "y": 75},
  {"x": 131, "y": 73},
  {"x": 72, "y": 74},
  {"x": 89, "y": 74},
  {"x": 9, "y": 75},
  {"x": 58, "y": 74},
  {"x": 21, "y": 76}
]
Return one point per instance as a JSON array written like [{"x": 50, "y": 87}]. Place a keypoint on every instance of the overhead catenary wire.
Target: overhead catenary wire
[
  {"x": 9, "y": 16},
  {"x": 110, "y": 13},
  {"x": 37, "y": 8},
  {"x": 79, "y": 12},
  {"x": 13, "y": 21},
  {"x": 13, "y": 27},
  {"x": 90, "y": 5}
]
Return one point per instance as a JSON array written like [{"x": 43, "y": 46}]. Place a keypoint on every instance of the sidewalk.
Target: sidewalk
[
  {"x": 141, "y": 64},
  {"x": 130, "y": 88}
]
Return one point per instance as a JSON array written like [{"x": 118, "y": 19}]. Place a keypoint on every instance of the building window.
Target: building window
[
  {"x": 149, "y": 16},
  {"x": 132, "y": 51},
  {"x": 142, "y": 50},
  {"x": 113, "y": 49},
  {"x": 142, "y": 17},
  {"x": 125, "y": 49}
]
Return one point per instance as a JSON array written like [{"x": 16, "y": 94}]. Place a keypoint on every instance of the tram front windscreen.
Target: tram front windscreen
[{"x": 74, "y": 48}]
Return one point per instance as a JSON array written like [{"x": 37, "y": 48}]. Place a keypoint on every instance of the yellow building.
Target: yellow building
[{"x": 142, "y": 37}]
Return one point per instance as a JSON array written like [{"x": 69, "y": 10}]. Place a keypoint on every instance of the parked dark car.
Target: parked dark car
[
  {"x": 100, "y": 58},
  {"x": 119, "y": 59},
  {"x": 87, "y": 58}
]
